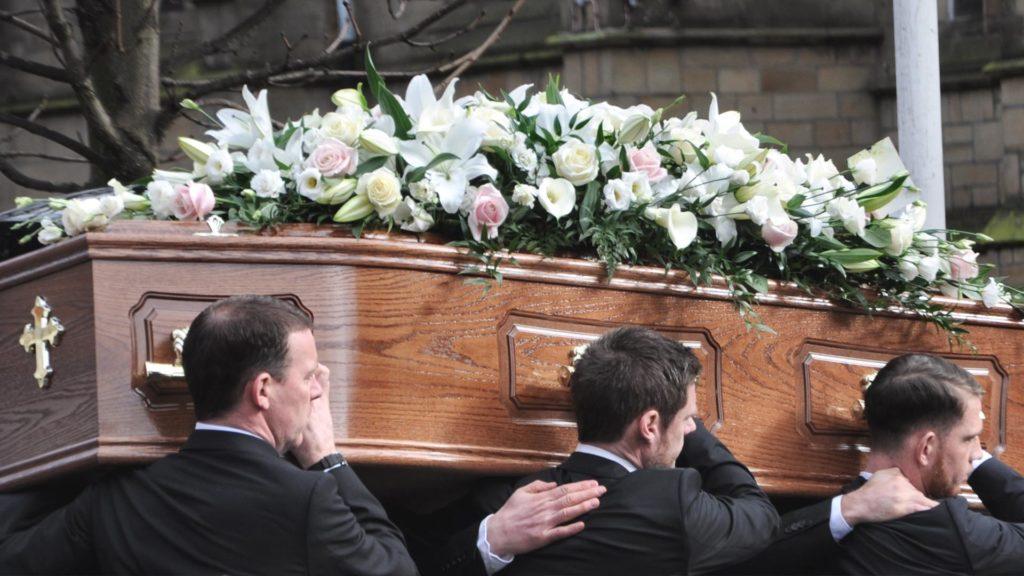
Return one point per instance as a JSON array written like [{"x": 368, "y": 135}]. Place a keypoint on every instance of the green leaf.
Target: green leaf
[
  {"x": 418, "y": 174},
  {"x": 853, "y": 256},
  {"x": 552, "y": 92},
  {"x": 701, "y": 157},
  {"x": 877, "y": 236},
  {"x": 589, "y": 206},
  {"x": 758, "y": 283},
  {"x": 388, "y": 103},
  {"x": 795, "y": 202},
  {"x": 370, "y": 165},
  {"x": 874, "y": 197},
  {"x": 773, "y": 141},
  {"x": 744, "y": 256}
]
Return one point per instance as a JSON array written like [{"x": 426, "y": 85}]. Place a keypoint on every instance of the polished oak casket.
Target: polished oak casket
[{"x": 436, "y": 380}]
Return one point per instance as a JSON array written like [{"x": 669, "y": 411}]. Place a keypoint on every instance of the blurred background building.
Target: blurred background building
[{"x": 817, "y": 75}]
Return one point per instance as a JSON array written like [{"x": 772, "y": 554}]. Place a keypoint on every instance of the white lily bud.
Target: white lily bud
[
  {"x": 634, "y": 128},
  {"x": 377, "y": 142},
  {"x": 194, "y": 149},
  {"x": 349, "y": 97}
]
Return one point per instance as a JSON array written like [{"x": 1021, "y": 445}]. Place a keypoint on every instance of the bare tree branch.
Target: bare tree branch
[
  {"x": 261, "y": 75},
  {"x": 22, "y": 179},
  {"x": 52, "y": 135},
  {"x": 34, "y": 68},
  {"x": 355, "y": 23},
  {"x": 100, "y": 123},
  {"x": 14, "y": 19},
  {"x": 449, "y": 37},
  {"x": 460, "y": 65},
  {"x": 221, "y": 43},
  {"x": 42, "y": 156}
]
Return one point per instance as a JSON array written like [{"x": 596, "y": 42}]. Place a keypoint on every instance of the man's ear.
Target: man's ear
[
  {"x": 258, "y": 390},
  {"x": 926, "y": 448},
  {"x": 649, "y": 426}
]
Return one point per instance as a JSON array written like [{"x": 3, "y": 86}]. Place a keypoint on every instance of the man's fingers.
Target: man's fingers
[
  {"x": 560, "y": 532},
  {"x": 539, "y": 486},
  {"x": 568, "y": 513},
  {"x": 575, "y": 498}
]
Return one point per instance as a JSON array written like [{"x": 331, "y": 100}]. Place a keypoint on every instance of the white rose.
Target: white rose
[
  {"x": 111, "y": 205},
  {"x": 219, "y": 165},
  {"x": 267, "y": 184},
  {"x": 557, "y": 196},
  {"x": 865, "y": 171},
  {"x": 901, "y": 235},
  {"x": 161, "y": 196},
  {"x": 618, "y": 195},
  {"x": 576, "y": 162},
  {"x": 49, "y": 232},
  {"x": 908, "y": 270},
  {"x": 382, "y": 188},
  {"x": 82, "y": 215},
  {"x": 852, "y": 215},
  {"x": 928, "y": 267},
  {"x": 524, "y": 195},
  {"x": 310, "y": 183},
  {"x": 991, "y": 294},
  {"x": 345, "y": 126}
]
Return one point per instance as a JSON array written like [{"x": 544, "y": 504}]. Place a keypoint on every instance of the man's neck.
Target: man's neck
[
  {"x": 254, "y": 426},
  {"x": 878, "y": 460},
  {"x": 623, "y": 450}
]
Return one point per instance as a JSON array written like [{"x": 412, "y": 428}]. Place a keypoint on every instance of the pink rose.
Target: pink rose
[
  {"x": 963, "y": 264},
  {"x": 194, "y": 201},
  {"x": 489, "y": 209},
  {"x": 778, "y": 235},
  {"x": 333, "y": 157},
  {"x": 648, "y": 161}
]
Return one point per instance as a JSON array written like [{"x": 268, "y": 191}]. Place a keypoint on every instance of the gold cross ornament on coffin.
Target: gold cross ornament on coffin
[{"x": 45, "y": 330}]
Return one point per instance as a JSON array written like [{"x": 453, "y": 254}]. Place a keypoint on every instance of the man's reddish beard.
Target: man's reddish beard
[{"x": 941, "y": 483}]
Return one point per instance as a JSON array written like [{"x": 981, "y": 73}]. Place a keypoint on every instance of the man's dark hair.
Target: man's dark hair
[
  {"x": 232, "y": 341},
  {"x": 913, "y": 391},
  {"x": 625, "y": 373}
]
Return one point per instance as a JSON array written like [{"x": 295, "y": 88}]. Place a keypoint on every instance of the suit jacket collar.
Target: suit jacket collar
[
  {"x": 216, "y": 440},
  {"x": 594, "y": 466},
  {"x": 854, "y": 484}
]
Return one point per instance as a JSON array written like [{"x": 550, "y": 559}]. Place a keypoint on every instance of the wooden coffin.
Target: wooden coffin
[{"x": 439, "y": 377}]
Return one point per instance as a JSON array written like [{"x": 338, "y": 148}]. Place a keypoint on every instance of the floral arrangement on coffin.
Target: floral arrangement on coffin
[{"x": 549, "y": 173}]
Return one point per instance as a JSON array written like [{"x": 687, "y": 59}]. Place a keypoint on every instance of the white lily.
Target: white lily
[
  {"x": 681, "y": 226},
  {"x": 241, "y": 129},
  {"x": 451, "y": 177},
  {"x": 728, "y": 141},
  {"x": 429, "y": 114}
]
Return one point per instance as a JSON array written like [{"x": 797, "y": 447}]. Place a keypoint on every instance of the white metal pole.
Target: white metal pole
[{"x": 918, "y": 102}]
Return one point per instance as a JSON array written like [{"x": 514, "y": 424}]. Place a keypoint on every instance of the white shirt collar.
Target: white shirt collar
[
  {"x": 219, "y": 428},
  {"x": 866, "y": 475},
  {"x": 601, "y": 452}
]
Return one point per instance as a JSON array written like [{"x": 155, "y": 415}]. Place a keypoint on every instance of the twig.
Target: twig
[
  {"x": 34, "y": 68},
  {"x": 52, "y": 135},
  {"x": 469, "y": 58},
  {"x": 22, "y": 179},
  {"x": 13, "y": 18},
  {"x": 355, "y": 23},
  {"x": 239, "y": 31},
  {"x": 449, "y": 37},
  {"x": 256, "y": 76},
  {"x": 42, "y": 156}
]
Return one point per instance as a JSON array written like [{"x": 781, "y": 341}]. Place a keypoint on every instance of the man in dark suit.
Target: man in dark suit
[
  {"x": 228, "y": 502},
  {"x": 634, "y": 395},
  {"x": 925, "y": 418}
]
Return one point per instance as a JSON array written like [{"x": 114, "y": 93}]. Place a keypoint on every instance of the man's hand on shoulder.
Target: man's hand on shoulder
[
  {"x": 537, "y": 515},
  {"x": 318, "y": 436},
  {"x": 888, "y": 495}
]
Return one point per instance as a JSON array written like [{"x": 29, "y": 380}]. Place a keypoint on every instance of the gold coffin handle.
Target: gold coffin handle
[{"x": 159, "y": 372}]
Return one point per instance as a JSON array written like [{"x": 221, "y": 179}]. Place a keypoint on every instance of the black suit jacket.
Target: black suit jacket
[
  {"x": 226, "y": 503},
  {"x": 948, "y": 539},
  {"x": 675, "y": 521}
]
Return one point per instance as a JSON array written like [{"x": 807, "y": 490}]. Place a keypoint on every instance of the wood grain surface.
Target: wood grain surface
[{"x": 442, "y": 377}]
